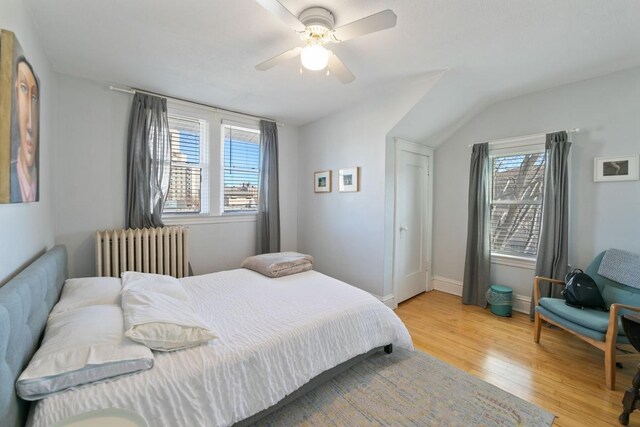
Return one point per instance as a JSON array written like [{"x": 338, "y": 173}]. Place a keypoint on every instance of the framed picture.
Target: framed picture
[
  {"x": 19, "y": 124},
  {"x": 349, "y": 179},
  {"x": 621, "y": 168},
  {"x": 322, "y": 182}
]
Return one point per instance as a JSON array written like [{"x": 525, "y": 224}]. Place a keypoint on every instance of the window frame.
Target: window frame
[
  {"x": 213, "y": 158},
  {"x": 204, "y": 163},
  {"x": 514, "y": 147}
]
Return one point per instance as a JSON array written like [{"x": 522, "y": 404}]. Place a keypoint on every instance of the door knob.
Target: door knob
[{"x": 403, "y": 228}]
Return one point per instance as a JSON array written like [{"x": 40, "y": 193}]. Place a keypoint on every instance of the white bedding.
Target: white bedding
[{"x": 274, "y": 336}]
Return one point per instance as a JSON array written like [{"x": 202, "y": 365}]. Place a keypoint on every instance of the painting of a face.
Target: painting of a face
[
  {"x": 20, "y": 136},
  {"x": 27, "y": 110}
]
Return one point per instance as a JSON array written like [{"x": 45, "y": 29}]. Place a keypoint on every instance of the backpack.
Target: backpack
[{"x": 581, "y": 291}]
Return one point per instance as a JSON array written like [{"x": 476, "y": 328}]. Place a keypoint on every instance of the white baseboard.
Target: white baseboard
[
  {"x": 449, "y": 286},
  {"x": 521, "y": 303},
  {"x": 388, "y": 300}
]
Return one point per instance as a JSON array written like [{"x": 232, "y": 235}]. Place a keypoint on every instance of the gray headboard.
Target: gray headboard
[{"x": 25, "y": 303}]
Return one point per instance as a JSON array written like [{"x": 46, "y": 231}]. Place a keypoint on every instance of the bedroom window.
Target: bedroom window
[
  {"x": 188, "y": 136},
  {"x": 241, "y": 168},
  {"x": 517, "y": 183},
  {"x": 215, "y": 162}
]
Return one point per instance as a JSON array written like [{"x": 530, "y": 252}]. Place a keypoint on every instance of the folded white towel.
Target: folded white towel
[{"x": 279, "y": 264}]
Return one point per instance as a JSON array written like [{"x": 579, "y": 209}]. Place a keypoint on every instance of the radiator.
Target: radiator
[{"x": 148, "y": 250}]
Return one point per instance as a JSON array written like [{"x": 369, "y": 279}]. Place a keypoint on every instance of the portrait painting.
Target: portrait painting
[{"x": 19, "y": 124}]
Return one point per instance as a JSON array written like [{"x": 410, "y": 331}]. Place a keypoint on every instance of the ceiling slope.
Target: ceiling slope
[{"x": 207, "y": 51}]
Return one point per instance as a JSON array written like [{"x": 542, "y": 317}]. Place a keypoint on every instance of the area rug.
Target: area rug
[{"x": 407, "y": 389}]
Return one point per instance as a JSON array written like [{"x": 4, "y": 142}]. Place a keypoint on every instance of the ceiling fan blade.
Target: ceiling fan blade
[
  {"x": 285, "y": 56},
  {"x": 376, "y": 22},
  {"x": 339, "y": 69},
  {"x": 276, "y": 8}
]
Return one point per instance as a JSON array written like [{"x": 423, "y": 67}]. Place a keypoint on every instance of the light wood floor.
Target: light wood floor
[{"x": 561, "y": 374}]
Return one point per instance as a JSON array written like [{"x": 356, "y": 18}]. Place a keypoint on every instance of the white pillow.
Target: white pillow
[
  {"x": 87, "y": 291},
  {"x": 157, "y": 313},
  {"x": 81, "y": 346}
]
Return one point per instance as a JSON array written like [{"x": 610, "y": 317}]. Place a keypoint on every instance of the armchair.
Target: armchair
[{"x": 600, "y": 329}]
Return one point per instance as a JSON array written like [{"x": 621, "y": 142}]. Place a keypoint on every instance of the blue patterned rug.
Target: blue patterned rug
[{"x": 408, "y": 389}]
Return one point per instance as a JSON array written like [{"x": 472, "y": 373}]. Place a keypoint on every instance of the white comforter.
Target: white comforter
[{"x": 275, "y": 335}]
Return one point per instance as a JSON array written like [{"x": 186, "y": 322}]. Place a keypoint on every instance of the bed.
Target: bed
[{"x": 277, "y": 337}]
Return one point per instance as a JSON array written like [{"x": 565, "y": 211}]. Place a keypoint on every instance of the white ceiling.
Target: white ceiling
[{"x": 206, "y": 50}]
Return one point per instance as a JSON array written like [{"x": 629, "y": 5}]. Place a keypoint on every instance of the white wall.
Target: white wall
[
  {"x": 26, "y": 229},
  {"x": 345, "y": 232},
  {"x": 603, "y": 215},
  {"x": 91, "y": 181}
]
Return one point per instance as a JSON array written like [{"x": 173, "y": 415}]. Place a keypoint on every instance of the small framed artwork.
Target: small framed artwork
[
  {"x": 349, "y": 179},
  {"x": 322, "y": 182},
  {"x": 621, "y": 168}
]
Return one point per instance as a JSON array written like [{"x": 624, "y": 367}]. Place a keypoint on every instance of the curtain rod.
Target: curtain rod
[
  {"x": 133, "y": 90},
  {"x": 517, "y": 138}
]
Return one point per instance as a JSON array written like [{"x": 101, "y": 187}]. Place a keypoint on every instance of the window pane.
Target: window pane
[
  {"x": 185, "y": 139},
  {"x": 518, "y": 178},
  {"x": 241, "y": 169},
  {"x": 184, "y": 190},
  {"x": 185, "y": 182},
  {"x": 515, "y": 229},
  {"x": 516, "y": 210}
]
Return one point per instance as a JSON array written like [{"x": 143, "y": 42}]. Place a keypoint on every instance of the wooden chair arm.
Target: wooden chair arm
[
  {"x": 536, "y": 286},
  {"x": 614, "y": 310}
]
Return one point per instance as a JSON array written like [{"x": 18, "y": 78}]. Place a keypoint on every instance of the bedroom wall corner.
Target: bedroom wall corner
[
  {"x": 90, "y": 167},
  {"x": 345, "y": 232},
  {"x": 27, "y": 229}
]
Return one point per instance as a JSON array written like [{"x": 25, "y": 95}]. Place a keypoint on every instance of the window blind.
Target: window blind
[
  {"x": 187, "y": 136},
  {"x": 516, "y": 203},
  {"x": 241, "y": 166}
]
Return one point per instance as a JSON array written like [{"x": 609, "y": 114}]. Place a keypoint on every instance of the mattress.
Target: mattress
[{"x": 274, "y": 336}]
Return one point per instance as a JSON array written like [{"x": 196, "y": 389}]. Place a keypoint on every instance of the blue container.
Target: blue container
[{"x": 500, "y": 297}]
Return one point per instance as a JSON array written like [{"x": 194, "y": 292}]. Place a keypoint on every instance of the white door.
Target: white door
[{"x": 412, "y": 223}]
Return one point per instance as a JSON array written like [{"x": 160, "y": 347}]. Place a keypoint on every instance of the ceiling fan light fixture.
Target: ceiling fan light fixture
[{"x": 314, "y": 57}]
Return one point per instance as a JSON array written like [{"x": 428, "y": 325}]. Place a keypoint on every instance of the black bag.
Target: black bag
[{"x": 581, "y": 291}]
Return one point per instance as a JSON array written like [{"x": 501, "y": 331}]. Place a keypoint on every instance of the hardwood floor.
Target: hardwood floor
[{"x": 561, "y": 374}]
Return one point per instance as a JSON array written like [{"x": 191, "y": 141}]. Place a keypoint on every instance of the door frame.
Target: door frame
[{"x": 423, "y": 150}]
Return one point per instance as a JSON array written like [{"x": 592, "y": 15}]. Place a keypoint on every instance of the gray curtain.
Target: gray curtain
[
  {"x": 148, "y": 161},
  {"x": 477, "y": 264},
  {"x": 268, "y": 221},
  {"x": 553, "y": 245}
]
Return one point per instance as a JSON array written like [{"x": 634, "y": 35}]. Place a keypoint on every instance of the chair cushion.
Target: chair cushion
[
  {"x": 598, "y": 336},
  {"x": 621, "y": 294},
  {"x": 591, "y": 319}
]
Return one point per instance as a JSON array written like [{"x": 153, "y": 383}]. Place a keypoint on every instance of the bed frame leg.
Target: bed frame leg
[{"x": 388, "y": 348}]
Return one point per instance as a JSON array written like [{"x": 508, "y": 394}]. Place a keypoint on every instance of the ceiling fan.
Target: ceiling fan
[{"x": 315, "y": 27}]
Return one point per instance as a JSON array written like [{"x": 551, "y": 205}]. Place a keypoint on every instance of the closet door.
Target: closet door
[{"x": 412, "y": 220}]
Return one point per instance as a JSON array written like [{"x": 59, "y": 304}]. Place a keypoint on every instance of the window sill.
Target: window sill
[
  {"x": 513, "y": 261},
  {"x": 205, "y": 219}
]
